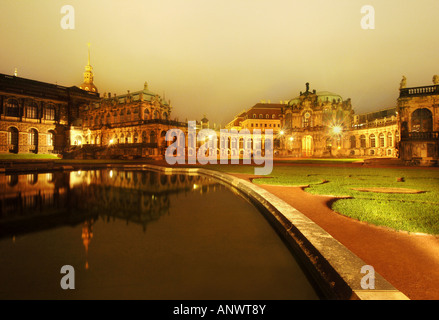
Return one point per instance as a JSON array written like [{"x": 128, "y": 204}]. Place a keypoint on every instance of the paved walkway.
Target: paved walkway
[{"x": 410, "y": 262}]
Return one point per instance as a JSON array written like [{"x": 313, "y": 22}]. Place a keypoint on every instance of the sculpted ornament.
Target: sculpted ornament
[{"x": 403, "y": 83}]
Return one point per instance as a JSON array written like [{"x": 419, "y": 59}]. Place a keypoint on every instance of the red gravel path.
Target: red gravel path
[{"x": 410, "y": 262}]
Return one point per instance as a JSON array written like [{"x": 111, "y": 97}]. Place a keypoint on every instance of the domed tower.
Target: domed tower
[{"x": 88, "y": 84}]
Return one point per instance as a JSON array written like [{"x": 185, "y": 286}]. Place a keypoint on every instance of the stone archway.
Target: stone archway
[
  {"x": 422, "y": 120},
  {"x": 13, "y": 137}
]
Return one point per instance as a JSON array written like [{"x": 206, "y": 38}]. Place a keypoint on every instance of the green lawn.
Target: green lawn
[
  {"x": 320, "y": 161},
  {"x": 409, "y": 212}
]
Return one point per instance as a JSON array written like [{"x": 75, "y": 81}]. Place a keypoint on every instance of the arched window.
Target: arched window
[
  {"x": 136, "y": 137},
  {"x": 12, "y": 109},
  {"x": 261, "y": 116},
  {"x": 156, "y": 115},
  {"x": 382, "y": 140},
  {"x": 146, "y": 114},
  {"x": 389, "y": 139},
  {"x": 372, "y": 140},
  {"x": 273, "y": 116},
  {"x": 422, "y": 120},
  {"x": 33, "y": 137},
  {"x": 254, "y": 116},
  {"x": 267, "y": 116},
  {"x": 152, "y": 137},
  {"x": 13, "y": 139},
  {"x": 33, "y": 140},
  {"x": 353, "y": 141},
  {"x": 363, "y": 141},
  {"x": 165, "y": 115},
  {"x": 144, "y": 137}
]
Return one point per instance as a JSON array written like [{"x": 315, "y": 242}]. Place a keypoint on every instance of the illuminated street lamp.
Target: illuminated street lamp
[{"x": 337, "y": 130}]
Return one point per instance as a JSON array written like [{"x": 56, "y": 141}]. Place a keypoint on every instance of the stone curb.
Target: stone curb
[{"x": 335, "y": 269}]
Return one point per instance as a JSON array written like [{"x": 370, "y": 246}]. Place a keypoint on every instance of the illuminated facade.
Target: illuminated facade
[
  {"x": 261, "y": 116},
  {"x": 322, "y": 124},
  {"x": 132, "y": 125},
  {"x": 418, "y": 110},
  {"x": 38, "y": 117}
]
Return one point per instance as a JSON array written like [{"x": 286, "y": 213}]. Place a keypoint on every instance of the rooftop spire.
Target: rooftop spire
[
  {"x": 88, "y": 44},
  {"x": 88, "y": 84}
]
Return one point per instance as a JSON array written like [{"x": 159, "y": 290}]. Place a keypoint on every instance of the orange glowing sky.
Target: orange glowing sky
[{"x": 219, "y": 57}]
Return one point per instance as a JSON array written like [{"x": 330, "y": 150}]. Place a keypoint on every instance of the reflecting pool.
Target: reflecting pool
[{"x": 139, "y": 235}]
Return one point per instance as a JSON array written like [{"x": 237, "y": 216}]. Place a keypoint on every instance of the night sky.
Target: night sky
[{"x": 217, "y": 58}]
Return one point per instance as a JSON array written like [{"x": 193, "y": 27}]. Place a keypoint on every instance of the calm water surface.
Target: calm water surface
[{"x": 139, "y": 235}]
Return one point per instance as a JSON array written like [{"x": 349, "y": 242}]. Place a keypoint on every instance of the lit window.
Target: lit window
[
  {"x": 363, "y": 141},
  {"x": 389, "y": 139},
  {"x": 12, "y": 108},
  {"x": 49, "y": 113},
  {"x": 372, "y": 139},
  {"x": 381, "y": 139},
  {"x": 32, "y": 111}
]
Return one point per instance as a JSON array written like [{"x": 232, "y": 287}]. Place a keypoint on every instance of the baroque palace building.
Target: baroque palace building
[
  {"x": 323, "y": 124},
  {"x": 131, "y": 125}
]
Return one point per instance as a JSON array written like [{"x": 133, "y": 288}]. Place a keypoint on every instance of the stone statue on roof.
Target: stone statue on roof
[
  {"x": 435, "y": 79},
  {"x": 403, "y": 83}
]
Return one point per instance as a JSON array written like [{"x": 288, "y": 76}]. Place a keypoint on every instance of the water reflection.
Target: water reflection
[
  {"x": 188, "y": 238},
  {"x": 37, "y": 202}
]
